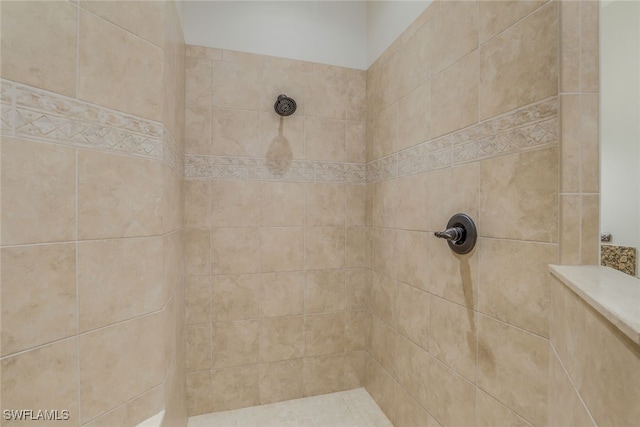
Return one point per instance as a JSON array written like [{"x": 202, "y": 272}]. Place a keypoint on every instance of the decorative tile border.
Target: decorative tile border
[
  {"x": 260, "y": 169},
  {"x": 531, "y": 127},
  {"x": 31, "y": 113}
]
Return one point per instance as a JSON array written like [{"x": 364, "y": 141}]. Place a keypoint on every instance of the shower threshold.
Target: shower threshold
[{"x": 352, "y": 408}]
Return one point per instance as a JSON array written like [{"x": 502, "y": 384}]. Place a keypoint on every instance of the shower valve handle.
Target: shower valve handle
[{"x": 453, "y": 234}]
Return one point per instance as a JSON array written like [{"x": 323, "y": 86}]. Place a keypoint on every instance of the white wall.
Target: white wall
[
  {"x": 386, "y": 20},
  {"x": 620, "y": 121},
  {"x": 347, "y": 33},
  {"x": 329, "y": 32}
]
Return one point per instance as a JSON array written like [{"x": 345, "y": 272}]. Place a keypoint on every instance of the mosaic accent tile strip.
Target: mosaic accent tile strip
[
  {"x": 28, "y": 112},
  {"x": 531, "y": 127},
  {"x": 622, "y": 258},
  {"x": 353, "y": 408},
  {"x": 259, "y": 169}
]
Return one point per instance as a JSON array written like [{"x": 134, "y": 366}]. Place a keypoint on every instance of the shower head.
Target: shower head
[{"x": 285, "y": 106}]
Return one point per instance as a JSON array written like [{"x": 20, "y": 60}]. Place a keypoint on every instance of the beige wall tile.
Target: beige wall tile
[
  {"x": 282, "y": 249},
  {"x": 386, "y": 83},
  {"x": 134, "y": 411},
  {"x": 235, "y": 250},
  {"x": 383, "y": 345},
  {"x": 497, "y": 16},
  {"x": 235, "y": 388},
  {"x": 490, "y": 413},
  {"x": 38, "y": 192},
  {"x": 236, "y": 85},
  {"x": 39, "y": 45},
  {"x": 119, "y": 279},
  {"x": 570, "y": 35},
  {"x": 385, "y": 203},
  {"x": 524, "y": 189},
  {"x": 281, "y": 381},
  {"x": 413, "y": 210},
  {"x": 382, "y": 388},
  {"x": 325, "y": 139},
  {"x": 198, "y": 347},
  {"x": 570, "y": 229},
  {"x": 278, "y": 81},
  {"x": 415, "y": 117},
  {"x": 455, "y": 92},
  {"x": 235, "y": 343},
  {"x": 118, "y": 196},
  {"x": 197, "y": 203},
  {"x": 39, "y": 290},
  {"x": 453, "y": 33},
  {"x": 199, "y": 393},
  {"x": 282, "y": 204},
  {"x": 414, "y": 62},
  {"x": 590, "y": 143},
  {"x": 356, "y": 204},
  {"x": 144, "y": 19},
  {"x": 514, "y": 285},
  {"x": 357, "y": 330},
  {"x": 325, "y": 204},
  {"x": 565, "y": 405},
  {"x": 356, "y": 141},
  {"x": 235, "y": 297},
  {"x": 442, "y": 401},
  {"x": 443, "y": 203},
  {"x": 281, "y": 338},
  {"x": 409, "y": 412},
  {"x": 358, "y": 289},
  {"x": 384, "y": 251},
  {"x": 513, "y": 367},
  {"x": 589, "y": 55},
  {"x": 198, "y": 82},
  {"x": 456, "y": 278},
  {"x": 453, "y": 336},
  {"x": 126, "y": 76},
  {"x": 413, "y": 309},
  {"x": 120, "y": 362},
  {"x": 282, "y": 294},
  {"x": 385, "y": 132},
  {"x": 324, "y": 247},
  {"x": 356, "y": 95},
  {"x": 590, "y": 249},
  {"x": 45, "y": 378},
  {"x": 383, "y": 298},
  {"x": 196, "y": 250},
  {"x": 197, "y": 130},
  {"x": 235, "y": 203},
  {"x": 326, "y": 95},
  {"x": 358, "y": 247},
  {"x": 355, "y": 369},
  {"x": 412, "y": 369},
  {"x": 324, "y": 291},
  {"x": 324, "y": 334},
  {"x": 235, "y": 133},
  {"x": 571, "y": 143},
  {"x": 197, "y": 300},
  {"x": 281, "y": 138},
  {"x": 520, "y": 65},
  {"x": 413, "y": 258},
  {"x": 564, "y": 321},
  {"x": 323, "y": 374}
]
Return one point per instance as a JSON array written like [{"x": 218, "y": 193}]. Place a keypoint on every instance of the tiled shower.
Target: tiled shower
[{"x": 171, "y": 244}]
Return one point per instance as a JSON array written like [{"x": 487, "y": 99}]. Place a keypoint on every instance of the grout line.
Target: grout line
[{"x": 77, "y": 277}]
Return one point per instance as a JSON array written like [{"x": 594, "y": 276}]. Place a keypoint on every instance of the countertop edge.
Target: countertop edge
[{"x": 620, "y": 315}]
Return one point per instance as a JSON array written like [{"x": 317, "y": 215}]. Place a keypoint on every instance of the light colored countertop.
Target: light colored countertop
[{"x": 613, "y": 294}]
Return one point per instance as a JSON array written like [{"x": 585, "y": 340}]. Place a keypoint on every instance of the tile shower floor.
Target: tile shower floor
[{"x": 352, "y": 408}]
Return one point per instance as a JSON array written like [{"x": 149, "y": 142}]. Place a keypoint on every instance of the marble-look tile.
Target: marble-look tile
[
  {"x": 198, "y": 347},
  {"x": 282, "y": 204},
  {"x": 566, "y": 407},
  {"x": 235, "y": 343},
  {"x": 235, "y": 203},
  {"x": 235, "y": 133},
  {"x": 443, "y": 399},
  {"x": 325, "y": 204},
  {"x": 497, "y": 16},
  {"x": 453, "y": 33},
  {"x": 199, "y": 393},
  {"x": 413, "y": 258},
  {"x": 413, "y": 309},
  {"x": 358, "y": 289},
  {"x": 40, "y": 282},
  {"x": 324, "y": 334},
  {"x": 235, "y": 297},
  {"x": 383, "y": 298},
  {"x": 235, "y": 250},
  {"x": 383, "y": 345},
  {"x": 236, "y": 387},
  {"x": 412, "y": 369},
  {"x": 323, "y": 374},
  {"x": 490, "y": 413},
  {"x": 197, "y": 300},
  {"x": 324, "y": 247},
  {"x": 281, "y": 381},
  {"x": 281, "y": 249},
  {"x": 324, "y": 291},
  {"x": 236, "y": 85},
  {"x": 324, "y": 139},
  {"x": 281, "y": 338},
  {"x": 282, "y": 294}
]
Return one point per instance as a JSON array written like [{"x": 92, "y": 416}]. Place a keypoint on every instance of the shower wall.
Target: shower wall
[
  {"x": 277, "y": 254},
  {"x": 92, "y": 98},
  {"x": 462, "y": 116}
]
